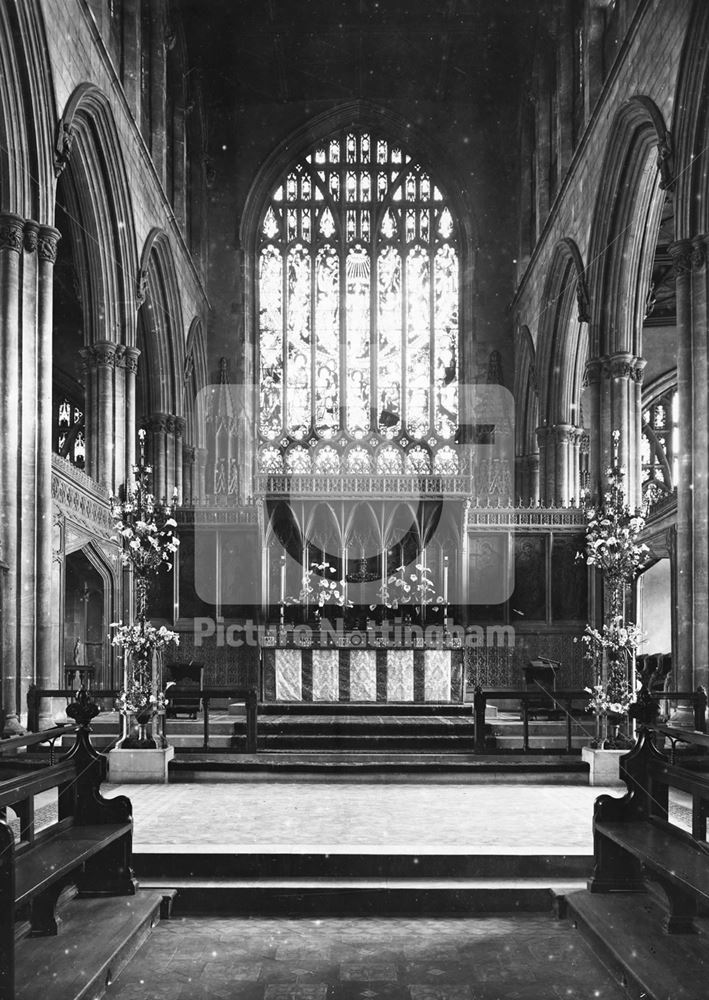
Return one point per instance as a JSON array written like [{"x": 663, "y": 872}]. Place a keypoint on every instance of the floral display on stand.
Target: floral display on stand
[
  {"x": 148, "y": 533},
  {"x": 612, "y": 547}
]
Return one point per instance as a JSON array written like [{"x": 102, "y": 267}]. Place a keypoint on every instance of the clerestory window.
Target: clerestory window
[{"x": 358, "y": 286}]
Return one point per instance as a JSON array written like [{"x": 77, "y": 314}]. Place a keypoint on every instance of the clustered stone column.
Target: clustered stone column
[
  {"x": 614, "y": 402},
  {"x": 165, "y": 451},
  {"x": 27, "y": 256},
  {"x": 559, "y": 469}
]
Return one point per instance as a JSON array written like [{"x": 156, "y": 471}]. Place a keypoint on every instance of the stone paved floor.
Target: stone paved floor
[
  {"x": 498, "y": 818},
  {"x": 526, "y": 957}
]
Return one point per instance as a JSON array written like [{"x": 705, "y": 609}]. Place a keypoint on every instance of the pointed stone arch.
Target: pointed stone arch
[
  {"x": 161, "y": 340},
  {"x": 636, "y": 172}
]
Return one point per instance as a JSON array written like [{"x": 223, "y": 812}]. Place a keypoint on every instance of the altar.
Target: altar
[{"x": 354, "y": 674}]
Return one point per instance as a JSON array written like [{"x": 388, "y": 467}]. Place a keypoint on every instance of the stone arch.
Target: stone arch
[
  {"x": 562, "y": 341},
  {"x": 161, "y": 366},
  {"x": 161, "y": 331},
  {"x": 26, "y": 113},
  {"x": 526, "y": 396},
  {"x": 637, "y": 167},
  {"x": 93, "y": 180},
  {"x": 637, "y": 170}
]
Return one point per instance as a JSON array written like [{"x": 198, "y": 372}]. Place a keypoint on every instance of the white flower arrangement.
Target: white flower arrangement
[
  {"x": 146, "y": 528},
  {"x": 612, "y": 530},
  {"x": 404, "y": 588},
  {"x": 318, "y": 587},
  {"x": 606, "y": 701},
  {"x": 141, "y": 639},
  {"x": 138, "y": 700}
]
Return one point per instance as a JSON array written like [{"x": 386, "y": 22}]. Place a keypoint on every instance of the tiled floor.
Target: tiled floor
[
  {"x": 494, "y": 958},
  {"x": 497, "y": 818}
]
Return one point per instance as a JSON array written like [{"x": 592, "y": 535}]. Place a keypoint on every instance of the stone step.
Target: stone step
[
  {"x": 332, "y": 862},
  {"x": 362, "y": 897}
]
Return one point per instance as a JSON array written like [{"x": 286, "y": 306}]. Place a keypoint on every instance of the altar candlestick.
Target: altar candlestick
[
  {"x": 445, "y": 580},
  {"x": 283, "y": 579}
]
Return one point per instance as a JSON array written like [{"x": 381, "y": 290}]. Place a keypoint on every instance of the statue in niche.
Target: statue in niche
[
  {"x": 219, "y": 477},
  {"x": 233, "y": 476}
]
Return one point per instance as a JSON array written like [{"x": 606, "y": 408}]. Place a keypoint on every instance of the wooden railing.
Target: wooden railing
[
  {"x": 542, "y": 700},
  {"x": 248, "y": 695},
  {"x": 250, "y": 698}
]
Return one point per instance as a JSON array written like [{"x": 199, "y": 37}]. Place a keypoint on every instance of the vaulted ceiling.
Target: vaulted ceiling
[{"x": 264, "y": 51}]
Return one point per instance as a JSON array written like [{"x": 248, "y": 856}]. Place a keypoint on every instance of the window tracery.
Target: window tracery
[{"x": 358, "y": 276}]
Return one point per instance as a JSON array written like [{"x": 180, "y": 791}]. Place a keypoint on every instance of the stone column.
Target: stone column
[
  {"x": 594, "y": 371},
  {"x": 700, "y": 453},
  {"x": 170, "y": 458},
  {"x": 178, "y": 458},
  {"x": 130, "y": 364},
  {"x": 201, "y": 471},
  {"x": 562, "y": 464},
  {"x": 157, "y": 427},
  {"x": 48, "y": 658},
  {"x": 684, "y": 650},
  {"x": 118, "y": 472},
  {"x": 533, "y": 477},
  {"x": 543, "y": 437},
  {"x": 28, "y": 500},
  {"x": 189, "y": 456},
  {"x": 11, "y": 237}
]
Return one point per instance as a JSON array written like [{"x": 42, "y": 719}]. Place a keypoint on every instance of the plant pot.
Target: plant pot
[{"x": 603, "y": 765}]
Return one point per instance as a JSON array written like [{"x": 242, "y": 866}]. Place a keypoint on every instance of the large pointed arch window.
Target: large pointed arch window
[{"x": 358, "y": 286}]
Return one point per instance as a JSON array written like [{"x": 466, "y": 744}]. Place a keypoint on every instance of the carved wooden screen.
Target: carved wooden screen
[{"x": 358, "y": 277}]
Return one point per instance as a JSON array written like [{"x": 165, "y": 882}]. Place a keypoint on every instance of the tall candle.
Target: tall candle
[
  {"x": 445, "y": 579},
  {"x": 283, "y": 579}
]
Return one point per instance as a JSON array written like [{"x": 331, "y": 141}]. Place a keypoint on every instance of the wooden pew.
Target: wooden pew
[
  {"x": 634, "y": 841},
  {"x": 88, "y": 848}
]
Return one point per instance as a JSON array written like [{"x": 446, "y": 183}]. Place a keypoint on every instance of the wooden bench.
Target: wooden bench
[
  {"x": 184, "y": 682},
  {"x": 85, "y": 851},
  {"x": 634, "y": 840}
]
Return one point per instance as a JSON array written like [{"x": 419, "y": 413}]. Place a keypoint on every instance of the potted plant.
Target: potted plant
[
  {"x": 409, "y": 589},
  {"x": 320, "y": 588}
]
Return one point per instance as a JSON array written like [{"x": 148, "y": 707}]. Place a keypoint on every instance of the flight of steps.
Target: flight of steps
[{"x": 358, "y": 881}]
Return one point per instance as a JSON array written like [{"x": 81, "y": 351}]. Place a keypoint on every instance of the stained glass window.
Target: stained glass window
[
  {"x": 358, "y": 286},
  {"x": 69, "y": 436},
  {"x": 659, "y": 446}
]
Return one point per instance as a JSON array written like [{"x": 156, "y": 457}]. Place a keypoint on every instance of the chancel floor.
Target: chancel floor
[
  {"x": 519, "y": 819},
  {"x": 525, "y": 957}
]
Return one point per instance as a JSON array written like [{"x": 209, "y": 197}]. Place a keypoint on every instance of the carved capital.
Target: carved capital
[
  {"x": 47, "y": 243},
  {"x": 189, "y": 454},
  {"x": 622, "y": 366},
  {"x": 594, "y": 371},
  {"x": 11, "y": 231},
  {"x": 543, "y": 434},
  {"x": 681, "y": 254},
  {"x": 157, "y": 423},
  {"x": 62, "y": 146},
  {"x": 102, "y": 354},
  {"x": 31, "y": 235},
  {"x": 564, "y": 433},
  {"x": 129, "y": 359},
  {"x": 180, "y": 425},
  {"x": 638, "y": 370}
]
